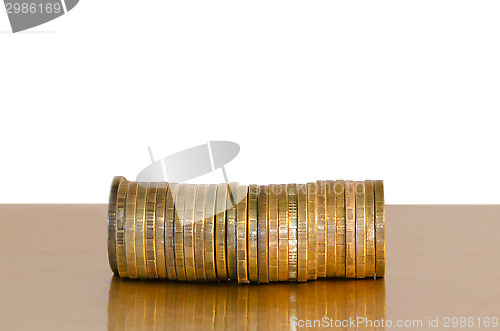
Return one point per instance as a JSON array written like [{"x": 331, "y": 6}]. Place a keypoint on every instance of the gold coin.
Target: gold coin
[
  {"x": 302, "y": 228},
  {"x": 189, "y": 232},
  {"x": 220, "y": 232},
  {"x": 231, "y": 231},
  {"x": 161, "y": 197},
  {"x": 370, "y": 228},
  {"x": 322, "y": 238},
  {"x": 241, "y": 227},
  {"x": 169, "y": 231},
  {"x": 180, "y": 201},
  {"x": 210, "y": 233},
  {"x": 199, "y": 243},
  {"x": 140, "y": 225},
  {"x": 120, "y": 228},
  {"x": 130, "y": 214},
  {"x": 113, "y": 194},
  {"x": 350, "y": 230},
  {"x": 282, "y": 233},
  {"x": 312, "y": 231},
  {"x": 292, "y": 231},
  {"x": 341, "y": 227},
  {"x": 331, "y": 226},
  {"x": 360, "y": 229},
  {"x": 263, "y": 236},
  {"x": 273, "y": 233},
  {"x": 150, "y": 231},
  {"x": 253, "y": 270},
  {"x": 379, "y": 228}
]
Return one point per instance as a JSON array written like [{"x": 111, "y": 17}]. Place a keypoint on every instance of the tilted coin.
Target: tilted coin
[
  {"x": 130, "y": 214},
  {"x": 140, "y": 233},
  {"x": 199, "y": 230},
  {"x": 302, "y": 226},
  {"x": 292, "y": 231},
  {"x": 273, "y": 233},
  {"x": 350, "y": 231},
  {"x": 331, "y": 226},
  {"x": 169, "y": 231},
  {"x": 180, "y": 201},
  {"x": 220, "y": 232},
  {"x": 341, "y": 227},
  {"x": 379, "y": 228},
  {"x": 370, "y": 228},
  {"x": 120, "y": 228},
  {"x": 312, "y": 231},
  {"x": 210, "y": 233},
  {"x": 253, "y": 270},
  {"x": 189, "y": 211},
  {"x": 150, "y": 231},
  {"x": 231, "y": 231},
  {"x": 161, "y": 199},
  {"x": 322, "y": 231},
  {"x": 263, "y": 236},
  {"x": 112, "y": 223},
  {"x": 241, "y": 231},
  {"x": 360, "y": 230}
]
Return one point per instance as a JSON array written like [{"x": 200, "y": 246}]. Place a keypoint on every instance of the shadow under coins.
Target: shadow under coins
[{"x": 229, "y": 306}]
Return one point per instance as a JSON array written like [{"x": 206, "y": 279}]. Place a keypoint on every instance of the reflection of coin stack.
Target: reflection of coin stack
[
  {"x": 227, "y": 306},
  {"x": 293, "y": 232}
]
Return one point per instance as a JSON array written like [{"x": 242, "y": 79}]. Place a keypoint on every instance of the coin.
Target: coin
[
  {"x": 161, "y": 198},
  {"x": 312, "y": 231},
  {"x": 273, "y": 233},
  {"x": 210, "y": 233},
  {"x": 322, "y": 238},
  {"x": 199, "y": 230},
  {"x": 379, "y": 228},
  {"x": 370, "y": 228},
  {"x": 189, "y": 211},
  {"x": 220, "y": 232},
  {"x": 350, "y": 230},
  {"x": 150, "y": 231},
  {"x": 180, "y": 201},
  {"x": 292, "y": 231},
  {"x": 263, "y": 236},
  {"x": 331, "y": 226},
  {"x": 253, "y": 270},
  {"x": 360, "y": 229},
  {"x": 130, "y": 214},
  {"x": 169, "y": 231},
  {"x": 231, "y": 231},
  {"x": 140, "y": 226},
  {"x": 302, "y": 228},
  {"x": 282, "y": 233},
  {"x": 341, "y": 226},
  {"x": 120, "y": 228},
  {"x": 112, "y": 223},
  {"x": 241, "y": 229}
]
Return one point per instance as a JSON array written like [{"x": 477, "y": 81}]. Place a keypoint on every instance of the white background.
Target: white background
[{"x": 405, "y": 91}]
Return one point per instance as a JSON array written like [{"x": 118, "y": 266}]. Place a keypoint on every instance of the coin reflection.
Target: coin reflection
[{"x": 230, "y": 306}]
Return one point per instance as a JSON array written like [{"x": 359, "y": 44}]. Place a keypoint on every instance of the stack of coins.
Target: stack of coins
[{"x": 288, "y": 232}]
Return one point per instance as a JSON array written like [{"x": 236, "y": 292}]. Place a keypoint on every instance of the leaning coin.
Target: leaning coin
[
  {"x": 282, "y": 233},
  {"x": 189, "y": 232},
  {"x": 263, "y": 236},
  {"x": 241, "y": 227},
  {"x": 331, "y": 225},
  {"x": 150, "y": 231},
  {"x": 253, "y": 195},
  {"x": 180, "y": 201},
  {"x": 220, "y": 232},
  {"x": 360, "y": 229},
  {"x": 169, "y": 231},
  {"x": 140, "y": 230},
  {"x": 350, "y": 231},
  {"x": 302, "y": 227},
  {"x": 273, "y": 233},
  {"x": 341, "y": 227},
  {"x": 112, "y": 223},
  {"x": 231, "y": 231},
  {"x": 370, "y": 228},
  {"x": 161, "y": 198},
  {"x": 312, "y": 231},
  {"x": 120, "y": 228},
  {"x": 292, "y": 231},
  {"x": 379, "y": 228},
  {"x": 130, "y": 215},
  {"x": 322, "y": 238},
  {"x": 210, "y": 233},
  {"x": 199, "y": 225}
]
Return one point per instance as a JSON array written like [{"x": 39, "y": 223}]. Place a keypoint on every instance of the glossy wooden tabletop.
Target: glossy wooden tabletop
[{"x": 442, "y": 262}]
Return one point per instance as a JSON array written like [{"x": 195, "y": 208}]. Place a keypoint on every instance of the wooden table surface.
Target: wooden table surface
[{"x": 442, "y": 262}]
